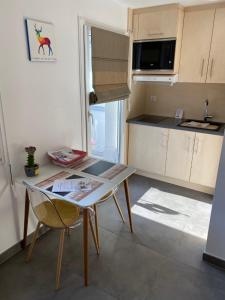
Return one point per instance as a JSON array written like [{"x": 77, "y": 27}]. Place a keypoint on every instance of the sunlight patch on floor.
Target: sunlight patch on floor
[{"x": 181, "y": 213}]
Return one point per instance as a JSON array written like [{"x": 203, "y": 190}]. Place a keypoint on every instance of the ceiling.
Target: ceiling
[{"x": 142, "y": 3}]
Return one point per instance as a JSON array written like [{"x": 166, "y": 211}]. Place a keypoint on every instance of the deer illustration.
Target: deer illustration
[{"x": 43, "y": 41}]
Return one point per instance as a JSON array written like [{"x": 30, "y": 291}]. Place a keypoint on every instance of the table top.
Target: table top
[{"x": 104, "y": 176}]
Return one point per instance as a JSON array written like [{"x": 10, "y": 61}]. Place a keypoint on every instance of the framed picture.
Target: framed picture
[{"x": 40, "y": 40}]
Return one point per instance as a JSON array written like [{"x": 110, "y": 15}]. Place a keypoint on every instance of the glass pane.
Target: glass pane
[{"x": 106, "y": 130}]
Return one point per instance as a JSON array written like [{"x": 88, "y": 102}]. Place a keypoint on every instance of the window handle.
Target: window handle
[{"x": 90, "y": 115}]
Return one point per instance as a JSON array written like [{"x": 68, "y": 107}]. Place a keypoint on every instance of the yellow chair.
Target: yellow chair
[
  {"x": 56, "y": 214},
  {"x": 103, "y": 199}
]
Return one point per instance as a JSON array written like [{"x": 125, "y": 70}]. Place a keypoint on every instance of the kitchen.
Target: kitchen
[
  {"x": 138, "y": 87},
  {"x": 193, "y": 88}
]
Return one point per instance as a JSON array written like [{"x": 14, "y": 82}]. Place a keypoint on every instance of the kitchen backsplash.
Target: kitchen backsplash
[
  {"x": 137, "y": 99},
  {"x": 189, "y": 96}
]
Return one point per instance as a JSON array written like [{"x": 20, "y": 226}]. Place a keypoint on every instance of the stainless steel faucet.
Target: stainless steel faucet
[{"x": 206, "y": 111}]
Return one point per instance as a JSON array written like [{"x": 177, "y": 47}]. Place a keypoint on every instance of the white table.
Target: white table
[{"x": 106, "y": 186}]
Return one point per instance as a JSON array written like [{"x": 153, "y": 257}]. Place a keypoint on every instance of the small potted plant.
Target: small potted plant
[{"x": 31, "y": 168}]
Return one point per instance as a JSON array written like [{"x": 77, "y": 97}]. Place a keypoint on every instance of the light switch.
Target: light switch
[{"x": 153, "y": 98}]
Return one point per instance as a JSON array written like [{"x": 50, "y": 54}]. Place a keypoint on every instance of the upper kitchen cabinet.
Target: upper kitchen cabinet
[
  {"x": 216, "y": 70},
  {"x": 157, "y": 22},
  {"x": 203, "y": 45},
  {"x": 161, "y": 27},
  {"x": 196, "y": 41}
]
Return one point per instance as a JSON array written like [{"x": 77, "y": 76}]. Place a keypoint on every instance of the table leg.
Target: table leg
[
  {"x": 85, "y": 244},
  {"x": 26, "y": 215},
  {"x": 128, "y": 203}
]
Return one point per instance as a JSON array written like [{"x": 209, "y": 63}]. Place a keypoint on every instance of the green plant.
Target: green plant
[{"x": 30, "y": 156}]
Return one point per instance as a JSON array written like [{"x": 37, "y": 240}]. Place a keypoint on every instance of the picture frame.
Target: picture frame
[{"x": 41, "y": 40}]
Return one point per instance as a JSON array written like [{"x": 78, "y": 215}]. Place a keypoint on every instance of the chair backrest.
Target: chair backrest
[{"x": 43, "y": 208}]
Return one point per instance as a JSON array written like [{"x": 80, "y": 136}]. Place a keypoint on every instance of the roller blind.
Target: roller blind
[{"x": 109, "y": 66}]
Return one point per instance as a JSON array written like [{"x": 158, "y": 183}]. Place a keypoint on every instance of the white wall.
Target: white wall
[
  {"x": 216, "y": 241},
  {"x": 42, "y": 100}
]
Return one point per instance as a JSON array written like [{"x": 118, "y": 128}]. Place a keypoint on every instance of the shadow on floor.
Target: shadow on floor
[{"x": 159, "y": 209}]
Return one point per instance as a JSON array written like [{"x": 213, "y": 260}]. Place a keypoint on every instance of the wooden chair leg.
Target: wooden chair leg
[
  {"x": 59, "y": 260},
  {"x": 96, "y": 225},
  {"x": 118, "y": 207},
  {"x": 94, "y": 236},
  {"x": 34, "y": 238}
]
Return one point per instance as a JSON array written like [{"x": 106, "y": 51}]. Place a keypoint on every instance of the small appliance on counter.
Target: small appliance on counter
[{"x": 179, "y": 113}]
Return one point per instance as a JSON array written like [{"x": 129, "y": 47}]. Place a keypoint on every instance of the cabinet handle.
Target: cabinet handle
[
  {"x": 164, "y": 140},
  {"x": 202, "y": 67},
  {"x": 157, "y": 33},
  {"x": 196, "y": 145},
  {"x": 211, "y": 68},
  {"x": 189, "y": 144},
  {"x": 188, "y": 140}
]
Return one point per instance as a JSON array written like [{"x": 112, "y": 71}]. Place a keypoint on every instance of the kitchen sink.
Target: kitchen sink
[{"x": 199, "y": 124}]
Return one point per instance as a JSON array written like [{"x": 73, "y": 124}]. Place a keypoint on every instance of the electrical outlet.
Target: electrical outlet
[{"x": 153, "y": 98}]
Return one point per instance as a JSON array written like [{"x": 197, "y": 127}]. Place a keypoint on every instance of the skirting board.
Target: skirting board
[
  {"x": 17, "y": 247},
  {"x": 196, "y": 187},
  {"x": 214, "y": 260}
]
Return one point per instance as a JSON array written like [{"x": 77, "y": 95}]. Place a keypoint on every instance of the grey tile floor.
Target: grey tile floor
[{"x": 156, "y": 262}]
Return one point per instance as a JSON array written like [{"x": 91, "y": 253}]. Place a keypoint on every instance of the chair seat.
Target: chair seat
[
  {"x": 47, "y": 213},
  {"x": 108, "y": 195},
  {"x": 105, "y": 197}
]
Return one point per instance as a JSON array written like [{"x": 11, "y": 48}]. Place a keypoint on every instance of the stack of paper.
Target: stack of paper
[{"x": 71, "y": 185}]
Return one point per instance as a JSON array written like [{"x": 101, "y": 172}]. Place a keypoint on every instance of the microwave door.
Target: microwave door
[
  {"x": 153, "y": 55},
  {"x": 137, "y": 50},
  {"x": 167, "y": 55},
  {"x": 146, "y": 56}
]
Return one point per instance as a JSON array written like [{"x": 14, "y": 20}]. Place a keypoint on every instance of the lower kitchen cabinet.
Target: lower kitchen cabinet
[
  {"x": 148, "y": 148},
  {"x": 206, "y": 156},
  {"x": 179, "y": 154}
]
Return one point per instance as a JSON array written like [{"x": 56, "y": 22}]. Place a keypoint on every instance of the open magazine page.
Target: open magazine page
[{"x": 85, "y": 187}]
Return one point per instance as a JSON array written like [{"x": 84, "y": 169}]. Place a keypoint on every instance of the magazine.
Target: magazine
[{"x": 66, "y": 156}]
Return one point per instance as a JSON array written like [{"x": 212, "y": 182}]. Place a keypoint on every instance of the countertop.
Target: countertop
[{"x": 172, "y": 123}]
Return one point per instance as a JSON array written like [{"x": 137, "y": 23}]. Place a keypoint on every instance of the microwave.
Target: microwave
[{"x": 157, "y": 55}]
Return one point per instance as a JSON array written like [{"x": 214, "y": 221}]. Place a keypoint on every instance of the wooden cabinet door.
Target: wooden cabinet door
[
  {"x": 197, "y": 33},
  {"x": 158, "y": 23},
  {"x": 207, "y": 151},
  {"x": 179, "y": 154},
  {"x": 148, "y": 148},
  {"x": 216, "y": 70},
  {"x": 135, "y": 27}
]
